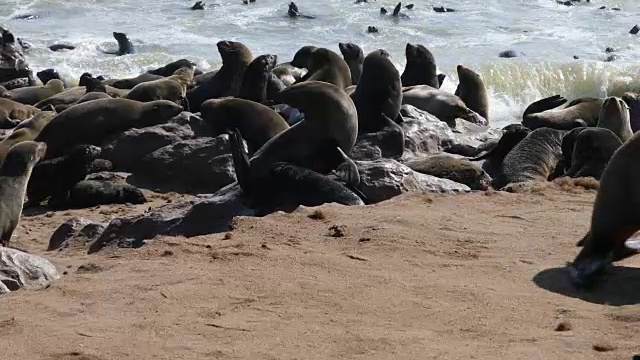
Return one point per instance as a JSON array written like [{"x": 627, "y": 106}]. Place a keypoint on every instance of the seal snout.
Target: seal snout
[{"x": 41, "y": 151}]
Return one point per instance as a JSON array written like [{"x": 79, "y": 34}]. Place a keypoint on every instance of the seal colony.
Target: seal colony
[{"x": 302, "y": 132}]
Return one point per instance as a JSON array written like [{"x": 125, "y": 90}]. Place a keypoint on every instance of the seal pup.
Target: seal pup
[
  {"x": 173, "y": 88},
  {"x": 226, "y": 82},
  {"x": 293, "y": 12},
  {"x": 33, "y": 94},
  {"x": 615, "y": 216},
  {"x": 125, "y": 46},
  {"x": 615, "y": 116},
  {"x": 548, "y": 113},
  {"x": 441, "y": 104},
  {"x": 592, "y": 151},
  {"x": 354, "y": 57},
  {"x": 459, "y": 170},
  {"x": 378, "y": 98},
  {"x": 92, "y": 121},
  {"x": 534, "y": 158},
  {"x": 420, "y": 68},
  {"x": 257, "y": 123},
  {"x": 14, "y": 176},
  {"x": 55, "y": 177},
  {"x": 323, "y": 65},
  {"x": 472, "y": 91},
  {"x": 318, "y": 143}
]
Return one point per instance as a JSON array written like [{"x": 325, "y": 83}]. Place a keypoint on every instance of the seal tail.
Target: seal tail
[{"x": 240, "y": 161}]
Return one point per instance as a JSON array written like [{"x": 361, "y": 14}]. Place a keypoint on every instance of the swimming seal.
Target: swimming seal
[
  {"x": 420, "y": 68},
  {"x": 226, "y": 82},
  {"x": 614, "y": 219},
  {"x": 378, "y": 98},
  {"x": 92, "y": 121},
  {"x": 615, "y": 116},
  {"x": 323, "y": 65},
  {"x": 441, "y": 104},
  {"x": 592, "y": 151},
  {"x": 293, "y": 12},
  {"x": 354, "y": 57},
  {"x": 14, "y": 176},
  {"x": 257, "y": 123},
  {"x": 55, "y": 177},
  {"x": 125, "y": 46},
  {"x": 33, "y": 94},
  {"x": 319, "y": 143},
  {"x": 547, "y": 113},
  {"x": 472, "y": 91}
]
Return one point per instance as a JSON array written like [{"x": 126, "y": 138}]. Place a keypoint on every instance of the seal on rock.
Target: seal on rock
[
  {"x": 378, "y": 98},
  {"x": 226, "y": 82},
  {"x": 33, "y": 94},
  {"x": 36, "y": 123},
  {"x": 472, "y": 91},
  {"x": 13, "y": 110},
  {"x": 92, "y": 121},
  {"x": 441, "y": 104},
  {"x": 324, "y": 65},
  {"x": 592, "y": 151},
  {"x": 55, "y": 177},
  {"x": 547, "y": 113},
  {"x": 257, "y": 123},
  {"x": 354, "y": 57},
  {"x": 256, "y": 77},
  {"x": 511, "y": 135},
  {"x": 615, "y": 216},
  {"x": 86, "y": 97},
  {"x": 124, "y": 45},
  {"x": 49, "y": 74},
  {"x": 173, "y": 88},
  {"x": 129, "y": 83},
  {"x": 420, "y": 68},
  {"x": 14, "y": 176},
  {"x": 615, "y": 116},
  {"x": 459, "y": 170}
]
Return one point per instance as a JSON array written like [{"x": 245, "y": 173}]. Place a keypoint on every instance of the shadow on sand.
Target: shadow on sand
[{"x": 618, "y": 286}]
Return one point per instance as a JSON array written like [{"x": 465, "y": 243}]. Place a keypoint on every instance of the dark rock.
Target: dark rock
[
  {"x": 203, "y": 163},
  {"x": 21, "y": 270},
  {"x": 58, "y": 47},
  {"x": 89, "y": 193},
  {"x": 73, "y": 231},
  {"x": 99, "y": 165}
]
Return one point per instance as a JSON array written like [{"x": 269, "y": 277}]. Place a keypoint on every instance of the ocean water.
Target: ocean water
[{"x": 547, "y": 33}]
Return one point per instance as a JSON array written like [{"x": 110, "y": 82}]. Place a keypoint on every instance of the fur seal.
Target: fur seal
[
  {"x": 318, "y": 143},
  {"x": 12, "y": 139},
  {"x": 93, "y": 121},
  {"x": 568, "y": 143},
  {"x": 614, "y": 218},
  {"x": 323, "y": 65},
  {"x": 14, "y": 176},
  {"x": 37, "y": 122},
  {"x": 199, "y": 5},
  {"x": 171, "y": 68},
  {"x": 459, "y": 170},
  {"x": 130, "y": 83},
  {"x": 48, "y": 74},
  {"x": 226, "y": 82},
  {"x": 89, "y": 193},
  {"x": 293, "y": 12},
  {"x": 13, "y": 110},
  {"x": 4, "y": 93},
  {"x": 546, "y": 113},
  {"x": 592, "y": 151},
  {"x": 378, "y": 98},
  {"x": 420, "y": 68},
  {"x": 441, "y": 104},
  {"x": 59, "y": 47},
  {"x": 55, "y": 177},
  {"x": 615, "y": 116},
  {"x": 257, "y": 123},
  {"x": 354, "y": 57},
  {"x": 86, "y": 97},
  {"x": 534, "y": 158},
  {"x": 124, "y": 45},
  {"x": 256, "y": 77},
  {"x": 33, "y": 94},
  {"x": 633, "y": 100},
  {"x": 74, "y": 94},
  {"x": 173, "y": 88},
  {"x": 511, "y": 135},
  {"x": 472, "y": 91}
]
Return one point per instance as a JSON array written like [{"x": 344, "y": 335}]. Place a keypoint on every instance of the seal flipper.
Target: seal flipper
[
  {"x": 592, "y": 260},
  {"x": 241, "y": 162},
  {"x": 348, "y": 170},
  {"x": 396, "y": 11}
]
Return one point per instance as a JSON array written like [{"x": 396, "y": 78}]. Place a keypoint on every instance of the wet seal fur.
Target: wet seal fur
[
  {"x": 592, "y": 151},
  {"x": 615, "y": 116},
  {"x": 323, "y": 65},
  {"x": 124, "y": 45},
  {"x": 91, "y": 122},
  {"x": 14, "y": 176},
  {"x": 354, "y": 57},
  {"x": 420, "y": 68},
  {"x": 378, "y": 98},
  {"x": 615, "y": 216},
  {"x": 472, "y": 91},
  {"x": 547, "y": 113}
]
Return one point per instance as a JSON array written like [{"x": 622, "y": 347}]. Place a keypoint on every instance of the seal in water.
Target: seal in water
[
  {"x": 615, "y": 216},
  {"x": 472, "y": 91},
  {"x": 378, "y": 98},
  {"x": 420, "y": 68},
  {"x": 354, "y": 57},
  {"x": 14, "y": 176},
  {"x": 124, "y": 45},
  {"x": 293, "y": 12}
]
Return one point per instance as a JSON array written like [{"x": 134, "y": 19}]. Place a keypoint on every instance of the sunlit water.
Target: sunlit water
[{"x": 548, "y": 34}]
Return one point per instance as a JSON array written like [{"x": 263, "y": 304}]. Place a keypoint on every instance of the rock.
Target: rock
[
  {"x": 67, "y": 231},
  {"x": 116, "y": 177},
  {"x": 21, "y": 270},
  {"x": 99, "y": 165},
  {"x": 14, "y": 69},
  {"x": 194, "y": 122},
  {"x": 203, "y": 163},
  {"x": 385, "y": 178}
]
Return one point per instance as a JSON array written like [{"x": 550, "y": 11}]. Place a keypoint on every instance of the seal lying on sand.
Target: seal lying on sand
[{"x": 14, "y": 176}]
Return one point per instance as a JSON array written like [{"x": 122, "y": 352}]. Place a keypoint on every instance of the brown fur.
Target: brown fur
[
  {"x": 472, "y": 91},
  {"x": 173, "y": 88},
  {"x": 12, "y": 110},
  {"x": 33, "y": 94},
  {"x": 74, "y": 94},
  {"x": 325, "y": 65}
]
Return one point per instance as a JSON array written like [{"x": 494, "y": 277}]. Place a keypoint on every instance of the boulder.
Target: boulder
[{"x": 21, "y": 270}]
